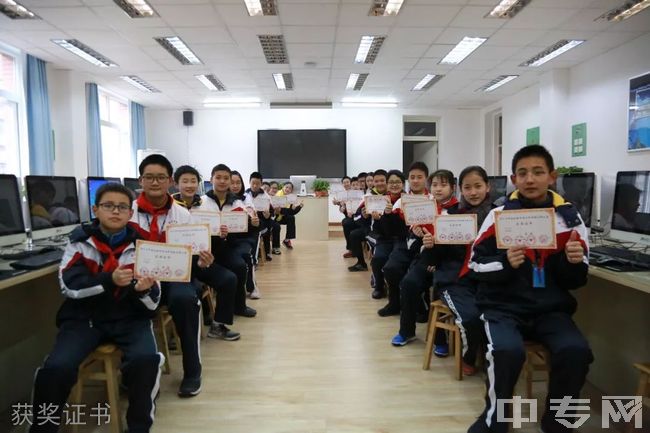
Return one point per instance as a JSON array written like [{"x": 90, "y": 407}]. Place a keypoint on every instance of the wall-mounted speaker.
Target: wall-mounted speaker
[{"x": 188, "y": 118}]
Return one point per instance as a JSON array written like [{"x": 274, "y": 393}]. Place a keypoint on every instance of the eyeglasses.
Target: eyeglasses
[
  {"x": 160, "y": 178},
  {"x": 395, "y": 182},
  {"x": 110, "y": 207}
]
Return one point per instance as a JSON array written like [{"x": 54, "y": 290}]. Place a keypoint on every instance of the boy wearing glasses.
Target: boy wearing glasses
[
  {"x": 153, "y": 211},
  {"x": 103, "y": 302}
]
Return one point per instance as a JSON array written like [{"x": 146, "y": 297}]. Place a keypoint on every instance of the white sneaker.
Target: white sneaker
[{"x": 255, "y": 294}]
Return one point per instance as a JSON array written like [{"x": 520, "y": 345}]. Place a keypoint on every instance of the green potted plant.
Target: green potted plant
[
  {"x": 569, "y": 170},
  {"x": 320, "y": 187}
]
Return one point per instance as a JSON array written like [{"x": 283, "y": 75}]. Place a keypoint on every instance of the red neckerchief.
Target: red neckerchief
[
  {"x": 145, "y": 206},
  {"x": 111, "y": 262},
  {"x": 453, "y": 201}
]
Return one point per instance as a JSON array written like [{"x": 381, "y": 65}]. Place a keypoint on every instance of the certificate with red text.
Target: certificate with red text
[
  {"x": 530, "y": 228},
  {"x": 455, "y": 229},
  {"x": 164, "y": 262},
  {"x": 197, "y": 236}
]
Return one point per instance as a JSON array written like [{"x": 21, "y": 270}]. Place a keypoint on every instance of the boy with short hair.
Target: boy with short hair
[
  {"x": 524, "y": 294},
  {"x": 153, "y": 211},
  {"x": 267, "y": 223},
  {"x": 104, "y": 301}
]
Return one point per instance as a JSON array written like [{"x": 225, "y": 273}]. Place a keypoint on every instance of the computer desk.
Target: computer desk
[
  {"x": 614, "y": 314},
  {"x": 28, "y": 306}
]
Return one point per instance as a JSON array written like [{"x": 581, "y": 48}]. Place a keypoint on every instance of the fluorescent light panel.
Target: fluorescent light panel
[
  {"x": 258, "y": 8},
  {"x": 426, "y": 82},
  {"x": 368, "y": 49},
  {"x": 630, "y": 8},
  {"x": 275, "y": 50},
  {"x": 232, "y": 103},
  {"x": 85, "y": 52},
  {"x": 211, "y": 82},
  {"x": 507, "y": 8},
  {"x": 497, "y": 82},
  {"x": 16, "y": 11},
  {"x": 177, "y": 48},
  {"x": 463, "y": 49},
  {"x": 355, "y": 81},
  {"x": 138, "y": 82},
  {"x": 552, "y": 52},
  {"x": 368, "y": 103},
  {"x": 283, "y": 81},
  {"x": 384, "y": 8},
  {"x": 136, "y": 8}
]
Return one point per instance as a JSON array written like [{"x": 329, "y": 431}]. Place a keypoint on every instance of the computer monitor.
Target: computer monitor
[
  {"x": 297, "y": 181},
  {"x": 93, "y": 183},
  {"x": 498, "y": 187},
  {"x": 12, "y": 226},
  {"x": 578, "y": 188},
  {"x": 53, "y": 205},
  {"x": 631, "y": 215},
  {"x": 133, "y": 183}
]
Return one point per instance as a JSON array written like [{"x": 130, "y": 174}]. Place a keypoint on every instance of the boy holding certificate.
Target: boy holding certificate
[
  {"x": 286, "y": 216},
  {"x": 523, "y": 294},
  {"x": 103, "y": 302},
  {"x": 153, "y": 211},
  {"x": 267, "y": 223}
]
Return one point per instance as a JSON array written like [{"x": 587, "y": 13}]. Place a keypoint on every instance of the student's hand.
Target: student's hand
[
  {"x": 389, "y": 206},
  {"x": 266, "y": 214},
  {"x": 427, "y": 240},
  {"x": 277, "y": 210},
  {"x": 223, "y": 231},
  {"x": 336, "y": 202},
  {"x": 516, "y": 256},
  {"x": 430, "y": 269},
  {"x": 205, "y": 258},
  {"x": 573, "y": 249},
  {"x": 349, "y": 214},
  {"x": 122, "y": 276},
  {"x": 417, "y": 231},
  {"x": 255, "y": 220},
  {"x": 144, "y": 284},
  {"x": 376, "y": 216},
  {"x": 363, "y": 212}
]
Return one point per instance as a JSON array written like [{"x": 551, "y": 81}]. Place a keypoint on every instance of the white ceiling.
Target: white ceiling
[{"x": 327, "y": 32}]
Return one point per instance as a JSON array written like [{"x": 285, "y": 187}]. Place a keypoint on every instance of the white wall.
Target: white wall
[{"x": 374, "y": 136}]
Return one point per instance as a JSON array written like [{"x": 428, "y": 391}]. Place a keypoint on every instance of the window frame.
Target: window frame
[
  {"x": 20, "y": 166},
  {"x": 102, "y": 92}
]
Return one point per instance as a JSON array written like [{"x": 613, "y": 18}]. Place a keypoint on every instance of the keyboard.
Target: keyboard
[
  {"x": 9, "y": 273},
  {"x": 23, "y": 254},
  {"x": 621, "y": 254},
  {"x": 38, "y": 261}
]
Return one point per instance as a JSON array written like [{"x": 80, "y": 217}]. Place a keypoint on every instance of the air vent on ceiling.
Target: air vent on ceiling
[{"x": 274, "y": 49}]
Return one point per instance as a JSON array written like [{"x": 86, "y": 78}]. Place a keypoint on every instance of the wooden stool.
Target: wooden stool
[
  {"x": 642, "y": 390},
  {"x": 440, "y": 316},
  {"x": 164, "y": 325},
  {"x": 262, "y": 251},
  {"x": 109, "y": 356},
  {"x": 537, "y": 359}
]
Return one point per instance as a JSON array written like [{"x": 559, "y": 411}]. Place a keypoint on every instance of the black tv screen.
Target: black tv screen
[{"x": 285, "y": 152}]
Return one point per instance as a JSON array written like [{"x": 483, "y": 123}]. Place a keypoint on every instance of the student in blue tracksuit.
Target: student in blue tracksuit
[
  {"x": 104, "y": 302},
  {"x": 525, "y": 294}
]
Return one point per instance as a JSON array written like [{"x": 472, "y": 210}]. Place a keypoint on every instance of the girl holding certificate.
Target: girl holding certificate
[{"x": 286, "y": 216}]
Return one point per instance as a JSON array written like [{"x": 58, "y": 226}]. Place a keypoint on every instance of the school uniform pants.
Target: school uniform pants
[
  {"x": 570, "y": 358},
  {"x": 232, "y": 259},
  {"x": 383, "y": 249},
  {"x": 357, "y": 238},
  {"x": 395, "y": 269},
  {"x": 348, "y": 225},
  {"x": 290, "y": 222},
  {"x": 224, "y": 283},
  {"x": 75, "y": 341},
  {"x": 461, "y": 300},
  {"x": 183, "y": 303},
  {"x": 415, "y": 298}
]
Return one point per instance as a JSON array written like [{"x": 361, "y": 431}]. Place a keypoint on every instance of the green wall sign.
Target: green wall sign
[
  {"x": 532, "y": 136},
  {"x": 579, "y": 140}
]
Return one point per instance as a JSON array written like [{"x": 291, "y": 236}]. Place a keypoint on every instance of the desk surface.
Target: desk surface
[
  {"x": 635, "y": 280},
  {"x": 28, "y": 276}
]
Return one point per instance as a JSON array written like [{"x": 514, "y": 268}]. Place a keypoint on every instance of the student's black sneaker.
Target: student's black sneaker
[
  {"x": 221, "y": 331},
  {"x": 287, "y": 243},
  {"x": 269, "y": 258},
  {"x": 276, "y": 251},
  {"x": 378, "y": 294},
  {"x": 388, "y": 310},
  {"x": 190, "y": 386},
  {"x": 358, "y": 268},
  {"x": 248, "y": 312}
]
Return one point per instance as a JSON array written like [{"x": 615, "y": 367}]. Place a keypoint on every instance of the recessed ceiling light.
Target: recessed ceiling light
[
  {"x": 211, "y": 82},
  {"x": 232, "y": 103},
  {"x": 426, "y": 82},
  {"x": 368, "y": 49},
  {"x": 368, "y": 103},
  {"x": 283, "y": 81},
  {"x": 463, "y": 49},
  {"x": 552, "y": 52},
  {"x": 275, "y": 50},
  {"x": 385, "y": 8},
  {"x": 355, "y": 81},
  {"x": 136, "y": 8},
  {"x": 507, "y": 8},
  {"x": 85, "y": 52},
  {"x": 261, "y": 7},
  {"x": 16, "y": 11},
  {"x": 630, "y": 8},
  {"x": 177, "y": 48},
  {"x": 138, "y": 82},
  {"x": 497, "y": 82}
]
